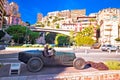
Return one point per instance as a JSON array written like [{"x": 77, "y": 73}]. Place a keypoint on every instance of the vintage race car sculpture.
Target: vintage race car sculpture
[{"x": 36, "y": 60}]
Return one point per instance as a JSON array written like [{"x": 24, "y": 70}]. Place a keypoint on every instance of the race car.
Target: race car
[{"x": 36, "y": 60}]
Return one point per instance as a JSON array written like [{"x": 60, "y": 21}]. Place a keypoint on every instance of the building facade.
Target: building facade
[
  {"x": 13, "y": 16},
  {"x": 109, "y": 20},
  {"x": 39, "y": 17},
  {"x": 2, "y": 12},
  {"x": 77, "y": 13}
]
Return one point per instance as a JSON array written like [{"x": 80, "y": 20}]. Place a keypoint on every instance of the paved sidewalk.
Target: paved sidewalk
[
  {"x": 66, "y": 73},
  {"x": 45, "y": 74}
]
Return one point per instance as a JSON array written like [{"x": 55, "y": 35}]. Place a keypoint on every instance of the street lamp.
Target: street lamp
[{"x": 26, "y": 36}]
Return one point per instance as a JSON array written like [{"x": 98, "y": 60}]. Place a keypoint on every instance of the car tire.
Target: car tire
[
  {"x": 79, "y": 63},
  {"x": 35, "y": 64}
]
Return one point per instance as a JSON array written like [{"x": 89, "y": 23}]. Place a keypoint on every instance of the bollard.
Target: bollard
[
  {"x": 109, "y": 51},
  {"x": 86, "y": 51},
  {"x": 116, "y": 52}
]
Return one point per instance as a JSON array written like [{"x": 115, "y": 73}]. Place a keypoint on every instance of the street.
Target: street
[
  {"x": 11, "y": 56},
  {"x": 96, "y": 55}
]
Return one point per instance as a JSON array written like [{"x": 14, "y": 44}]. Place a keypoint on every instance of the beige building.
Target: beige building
[
  {"x": 54, "y": 13},
  {"x": 109, "y": 20},
  {"x": 77, "y": 13},
  {"x": 39, "y": 17},
  {"x": 65, "y": 14}
]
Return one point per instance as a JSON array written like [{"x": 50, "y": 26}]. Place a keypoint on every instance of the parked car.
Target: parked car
[
  {"x": 96, "y": 46},
  {"x": 2, "y": 45},
  {"x": 109, "y": 47},
  {"x": 36, "y": 60}
]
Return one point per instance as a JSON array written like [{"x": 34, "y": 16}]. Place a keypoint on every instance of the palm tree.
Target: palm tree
[
  {"x": 119, "y": 30},
  {"x": 97, "y": 33},
  {"x": 118, "y": 38}
]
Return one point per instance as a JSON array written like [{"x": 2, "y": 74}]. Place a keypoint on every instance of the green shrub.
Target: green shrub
[
  {"x": 1, "y": 65},
  {"x": 113, "y": 65},
  {"x": 37, "y": 45},
  {"x": 27, "y": 45}
]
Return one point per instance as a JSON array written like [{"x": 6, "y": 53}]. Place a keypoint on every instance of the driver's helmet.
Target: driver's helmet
[{"x": 46, "y": 46}]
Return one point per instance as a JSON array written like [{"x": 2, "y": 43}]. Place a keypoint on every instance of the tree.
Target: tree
[
  {"x": 2, "y": 34},
  {"x": 118, "y": 38},
  {"x": 27, "y": 23},
  {"x": 85, "y": 36},
  {"x": 19, "y": 32},
  {"x": 97, "y": 33},
  {"x": 48, "y": 23},
  {"x": 88, "y": 31},
  {"x": 57, "y": 26},
  {"x": 33, "y": 36},
  {"x": 72, "y": 35},
  {"x": 62, "y": 40},
  {"x": 50, "y": 37},
  {"x": 40, "y": 24}
]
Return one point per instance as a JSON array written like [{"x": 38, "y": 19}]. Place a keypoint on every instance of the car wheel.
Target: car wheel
[
  {"x": 79, "y": 63},
  {"x": 35, "y": 64}
]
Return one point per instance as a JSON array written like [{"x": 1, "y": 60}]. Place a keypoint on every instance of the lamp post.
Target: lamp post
[{"x": 26, "y": 36}]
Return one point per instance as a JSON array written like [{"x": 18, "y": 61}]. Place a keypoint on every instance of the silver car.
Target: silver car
[{"x": 108, "y": 47}]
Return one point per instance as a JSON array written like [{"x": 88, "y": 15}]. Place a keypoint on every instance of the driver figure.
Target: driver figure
[{"x": 48, "y": 52}]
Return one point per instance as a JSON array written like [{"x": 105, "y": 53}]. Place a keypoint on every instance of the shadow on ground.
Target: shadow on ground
[{"x": 4, "y": 70}]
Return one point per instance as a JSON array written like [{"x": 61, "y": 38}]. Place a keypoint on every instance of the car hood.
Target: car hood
[{"x": 32, "y": 51}]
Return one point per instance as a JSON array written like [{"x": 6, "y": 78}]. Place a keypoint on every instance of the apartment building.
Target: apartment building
[
  {"x": 109, "y": 20},
  {"x": 65, "y": 14},
  {"x": 2, "y": 12},
  {"x": 54, "y": 13},
  {"x": 13, "y": 16},
  {"x": 77, "y": 13},
  {"x": 39, "y": 17}
]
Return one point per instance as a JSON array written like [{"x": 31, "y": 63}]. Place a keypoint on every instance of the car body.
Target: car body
[
  {"x": 2, "y": 47},
  {"x": 35, "y": 59},
  {"x": 96, "y": 46},
  {"x": 108, "y": 47}
]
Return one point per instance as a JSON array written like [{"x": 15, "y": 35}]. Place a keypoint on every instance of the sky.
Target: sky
[{"x": 29, "y": 8}]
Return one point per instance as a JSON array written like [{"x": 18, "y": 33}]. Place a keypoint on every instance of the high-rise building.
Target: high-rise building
[
  {"x": 109, "y": 20},
  {"x": 39, "y": 17},
  {"x": 2, "y": 12},
  {"x": 13, "y": 16}
]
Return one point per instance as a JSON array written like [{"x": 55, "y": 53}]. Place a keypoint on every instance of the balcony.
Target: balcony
[{"x": 108, "y": 29}]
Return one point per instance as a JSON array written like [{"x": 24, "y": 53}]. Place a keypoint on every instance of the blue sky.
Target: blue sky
[{"x": 30, "y": 8}]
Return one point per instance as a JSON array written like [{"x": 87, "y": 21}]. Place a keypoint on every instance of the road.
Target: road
[
  {"x": 97, "y": 55},
  {"x": 11, "y": 56}
]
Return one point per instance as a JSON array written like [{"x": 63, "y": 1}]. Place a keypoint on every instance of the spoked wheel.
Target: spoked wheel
[
  {"x": 35, "y": 64},
  {"x": 79, "y": 63}
]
